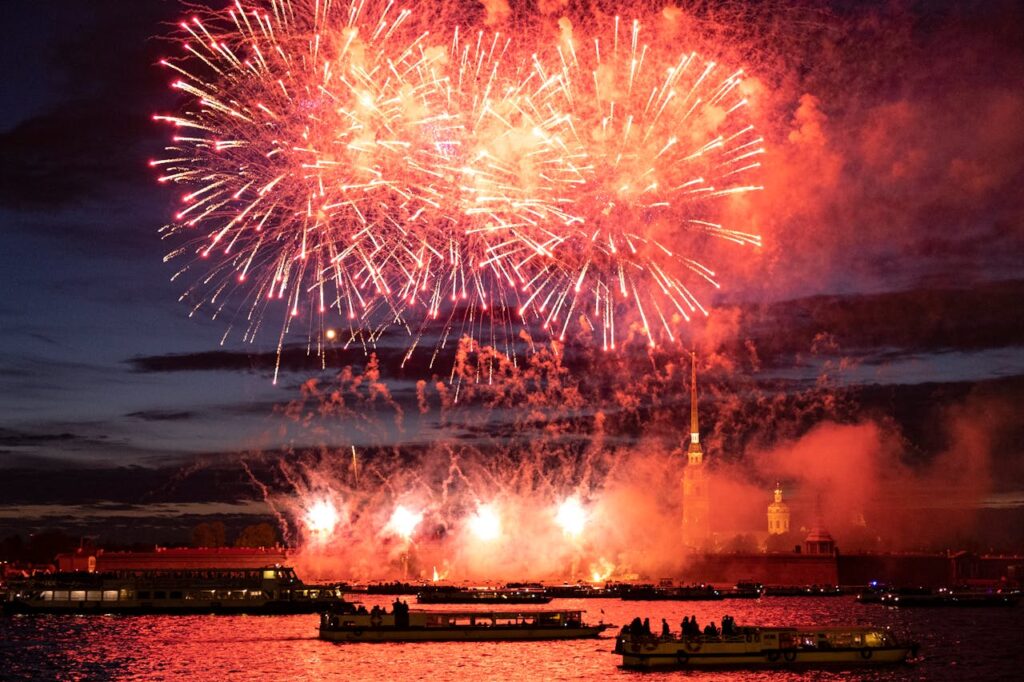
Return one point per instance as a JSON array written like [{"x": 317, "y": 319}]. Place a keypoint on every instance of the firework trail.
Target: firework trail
[{"x": 343, "y": 161}]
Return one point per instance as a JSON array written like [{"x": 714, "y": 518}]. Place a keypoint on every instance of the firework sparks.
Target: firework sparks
[
  {"x": 342, "y": 161},
  {"x": 663, "y": 137}
]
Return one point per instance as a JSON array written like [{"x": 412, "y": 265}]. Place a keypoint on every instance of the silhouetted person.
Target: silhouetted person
[
  {"x": 684, "y": 627},
  {"x": 694, "y": 626},
  {"x": 665, "y": 631},
  {"x": 710, "y": 630},
  {"x": 647, "y": 626},
  {"x": 636, "y": 627}
]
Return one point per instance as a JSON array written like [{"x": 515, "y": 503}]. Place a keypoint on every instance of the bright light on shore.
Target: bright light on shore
[
  {"x": 485, "y": 524},
  {"x": 571, "y": 517},
  {"x": 404, "y": 521}
]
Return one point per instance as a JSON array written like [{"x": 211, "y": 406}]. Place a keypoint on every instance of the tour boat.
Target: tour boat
[
  {"x": 477, "y": 595},
  {"x": 270, "y": 590},
  {"x": 456, "y": 626},
  {"x": 767, "y": 647}
]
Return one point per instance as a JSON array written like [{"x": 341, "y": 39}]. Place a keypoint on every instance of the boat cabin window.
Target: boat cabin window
[
  {"x": 77, "y": 595},
  {"x": 143, "y": 594},
  {"x": 269, "y": 574},
  {"x": 175, "y": 595},
  {"x": 159, "y": 594},
  {"x": 109, "y": 595}
]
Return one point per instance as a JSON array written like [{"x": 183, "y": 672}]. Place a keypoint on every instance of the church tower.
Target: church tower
[
  {"x": 778, "y": 514},
  {"x": 696, "y": 501}
]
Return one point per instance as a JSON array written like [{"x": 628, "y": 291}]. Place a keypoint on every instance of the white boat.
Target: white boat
[
  {"x": 767, "y": 647},
  {"x": 269, "y": 590},
  {"x": 456, "y": 626}
]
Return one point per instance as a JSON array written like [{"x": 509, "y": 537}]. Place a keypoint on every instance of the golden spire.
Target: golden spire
[
  {"x": 693, "y": 393},
  {"x": 694, "y": 426}
]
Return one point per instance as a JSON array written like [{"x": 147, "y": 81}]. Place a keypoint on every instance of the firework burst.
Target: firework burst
[
  {"x": 662, "y": 138},
  {"x": 343, "y": 162}
]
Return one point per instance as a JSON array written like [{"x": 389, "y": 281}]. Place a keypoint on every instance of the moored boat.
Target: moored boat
[
  {"x": 269, "y": 590},
  {"x": 950, "y": 598},
  {"x": 766, "y": 647},
  {"x": 660, "y": 593},
  {"x": 476, "y": 595},
  {"x": 455, "y": 626}
]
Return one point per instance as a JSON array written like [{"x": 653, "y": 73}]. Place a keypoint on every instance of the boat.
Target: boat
[
  {"x": 479, "y": 595},
  {"x": 804, "y": 591},
  {"x": 652, "y": 593},
  {"x": 455, "y": 626},
  {"x": 744, "y": 590},
  {"x": 950, "y": 598},
  {"x": 269, "y": 590},
  {"x": 763, "y": 647},
  {"x": 877, "y": 593}
]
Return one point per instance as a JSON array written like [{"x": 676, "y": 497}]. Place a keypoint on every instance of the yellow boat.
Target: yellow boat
[
  {"x": 456, "y": 626},
  {"x": 767, "y": 647}
]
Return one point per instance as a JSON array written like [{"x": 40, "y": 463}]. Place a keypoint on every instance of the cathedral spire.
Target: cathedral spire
[
  {"x": 693, "y": 396},
  {"x": 695, "y": 452}
]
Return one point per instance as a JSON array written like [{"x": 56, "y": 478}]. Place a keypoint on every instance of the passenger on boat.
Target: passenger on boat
[
  {"x": 710, "y": 630},
  {"x": 694, "y": 626},
  {"x": 684, "y": 627},
  {"x": 636, "y": 627},
  {"x": 401, "y": 611},
  {"x": 647, "y": 626},
  {"x": 666, "y": 633},
  {"x": 728, "y": 626}
]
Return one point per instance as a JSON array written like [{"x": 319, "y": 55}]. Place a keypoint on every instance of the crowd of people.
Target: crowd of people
[{"x": 688, "y": 629}]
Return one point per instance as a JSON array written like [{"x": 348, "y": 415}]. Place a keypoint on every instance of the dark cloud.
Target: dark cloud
[
  {"x": 162, "y": 415},
  {"x": 10, "y": 437}
]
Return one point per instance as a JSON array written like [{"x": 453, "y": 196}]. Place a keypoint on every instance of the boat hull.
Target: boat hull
[
  {"x": 474, "y": 634},
  {"x": 678, "y": 657}
]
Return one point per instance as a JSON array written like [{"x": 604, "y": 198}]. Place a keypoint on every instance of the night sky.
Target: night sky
[{"x": 893, "y": 266}]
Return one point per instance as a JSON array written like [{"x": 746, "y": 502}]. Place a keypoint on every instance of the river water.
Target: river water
[{"x": 956, "y": 644}]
